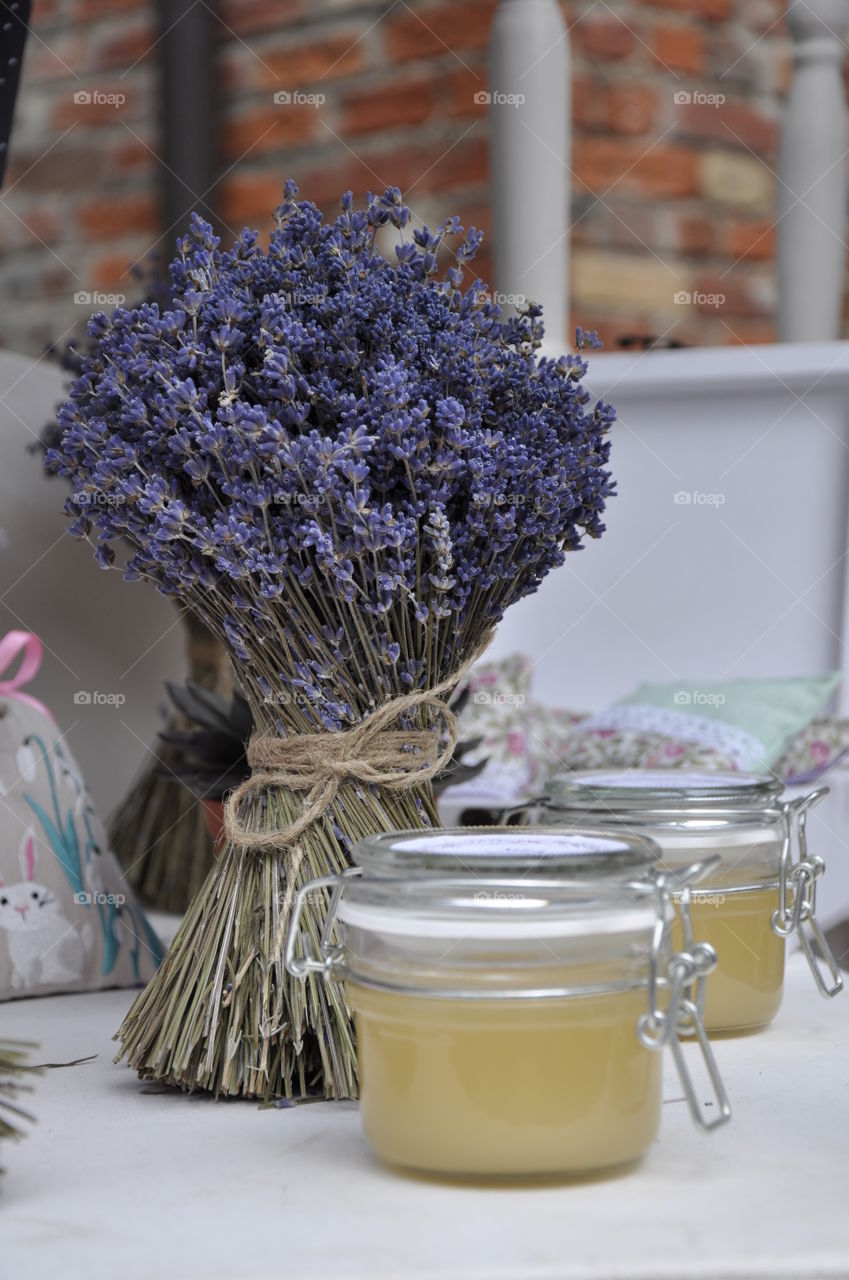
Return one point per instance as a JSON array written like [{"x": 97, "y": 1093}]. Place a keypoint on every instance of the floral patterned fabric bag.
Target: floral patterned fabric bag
[{"x": 68, "y": 921}]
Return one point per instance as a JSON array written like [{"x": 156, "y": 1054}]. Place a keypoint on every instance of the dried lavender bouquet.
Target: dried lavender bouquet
[{"x": 348, "y": 467}]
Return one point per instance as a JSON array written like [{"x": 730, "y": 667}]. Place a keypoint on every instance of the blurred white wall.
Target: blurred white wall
[
  {"x": 100, "y": 633},
  {"x": 726, "y": 548}
]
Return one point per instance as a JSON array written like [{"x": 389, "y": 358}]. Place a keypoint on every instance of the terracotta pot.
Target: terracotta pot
[{"x": 213, "y": 812}]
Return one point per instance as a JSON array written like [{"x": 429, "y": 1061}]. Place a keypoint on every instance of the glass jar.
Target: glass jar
[
  {"x": 509, "y": 1026},
  {"x": 755, "y": 897}
]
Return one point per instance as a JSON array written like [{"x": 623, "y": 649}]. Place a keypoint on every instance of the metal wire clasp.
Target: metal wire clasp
[
  {"x": 300, "y": 955},
  {"x": 682, "y": 1017},
  {"x": 797, "y": 905}
]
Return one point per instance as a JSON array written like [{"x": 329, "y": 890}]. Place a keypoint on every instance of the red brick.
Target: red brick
[
  {"x": 662, "y": 171},
  {"x": 29, "y": 223},
  {"x": 51, "y": 60},
  {"x": 475, "y": 213},
  {"x": 44, "y": 13},
  {"x": 713, "y": 10},
  {"x": 606, "y": 38},
  {"x": 248, "y": 199},
  {"x": 457, "y": 92},
  {"x": 679, "y": 48},
  {"x": 750, "y": 239},
  {"x": 113, "y": 272},
  {"x": 437, "y": 167},
  {"x": 589, "y": 103},
  {"x": 463, "y": 165},
  {"x": 67, "y": 112},
  {"x": 734, "y": 123},
  {"x": 109, "y": 218},
  {"x": 695, "y": 234},
  {"x": 65, "y": 169},
  {"x": 296, "y": 65},
  {"x": 130, "y": 154},
  {"x": 127, "y": 48},
  {"x": 741, "y": 297},
  {"x": 251, "y": 16},
  {"x": 387, "y": 106},
  {"x": 268, "y": 130},
  {"x": 86, "y": 10},
  {"x": 438, "y": 29},
  {"x": 631, "y": 108}
]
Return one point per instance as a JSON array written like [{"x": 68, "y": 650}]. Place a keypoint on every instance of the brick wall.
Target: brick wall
[{"x": 669, "y": 195}]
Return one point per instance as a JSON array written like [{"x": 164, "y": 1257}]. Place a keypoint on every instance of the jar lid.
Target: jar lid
[
  {"x": 506, "y": 851},
  {"x": 619, "y": 789},
  {"x": 497, "y": 909}
]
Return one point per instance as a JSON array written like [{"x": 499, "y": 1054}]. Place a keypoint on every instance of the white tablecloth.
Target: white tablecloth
[{"x": 120, "y": 1183}]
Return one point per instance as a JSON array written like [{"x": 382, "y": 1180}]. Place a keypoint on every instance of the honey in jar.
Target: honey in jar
[
  {"x": 508, "y": 1027},
  {"x": 754, "y": 896}
]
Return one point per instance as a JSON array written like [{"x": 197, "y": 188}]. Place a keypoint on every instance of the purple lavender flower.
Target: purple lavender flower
[{"x": 312, "y": 440}]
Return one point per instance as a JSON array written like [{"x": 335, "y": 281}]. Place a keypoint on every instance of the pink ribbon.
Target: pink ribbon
[{"x": 30, "y": 649}]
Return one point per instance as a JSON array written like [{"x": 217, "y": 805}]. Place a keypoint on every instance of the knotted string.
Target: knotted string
[{"x": 371, "y": 753}]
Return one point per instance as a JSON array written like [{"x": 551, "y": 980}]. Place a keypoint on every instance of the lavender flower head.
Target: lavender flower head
[{"x": 348, "y": 466}]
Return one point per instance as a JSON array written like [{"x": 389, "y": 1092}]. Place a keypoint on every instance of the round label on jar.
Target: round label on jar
[{"x": 510, "y": 845}]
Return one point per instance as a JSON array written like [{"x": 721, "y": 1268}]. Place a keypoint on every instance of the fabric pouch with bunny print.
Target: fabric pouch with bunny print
[{"x": 68, "y": 920}]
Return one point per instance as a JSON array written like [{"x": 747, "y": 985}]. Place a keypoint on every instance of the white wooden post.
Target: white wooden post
[
  {"x": 813, "y": 171},
  {"x": 530, "y": 118}
]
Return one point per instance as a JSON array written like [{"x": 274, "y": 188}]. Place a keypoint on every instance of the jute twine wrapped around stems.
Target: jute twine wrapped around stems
[
  {"x": 318, "y": 763},
  {"x": 371, "y": 753}
]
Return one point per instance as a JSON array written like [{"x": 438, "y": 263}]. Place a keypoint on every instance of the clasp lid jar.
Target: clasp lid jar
[
  {"x": 506, "y": 1025},
  {"x": 744, "y": 818}
]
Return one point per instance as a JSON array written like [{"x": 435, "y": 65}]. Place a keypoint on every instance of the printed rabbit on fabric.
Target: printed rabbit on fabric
[{"x": 68, "y": 920}]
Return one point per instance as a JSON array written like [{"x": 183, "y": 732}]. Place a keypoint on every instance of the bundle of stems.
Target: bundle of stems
[{"x": 222, "y": 1014}]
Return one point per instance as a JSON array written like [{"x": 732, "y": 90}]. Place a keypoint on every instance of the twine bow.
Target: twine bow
[{"x": 371, "y": 753}]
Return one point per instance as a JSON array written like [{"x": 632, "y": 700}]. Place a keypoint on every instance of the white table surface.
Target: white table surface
[{"x": 114, "y": 1183}]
